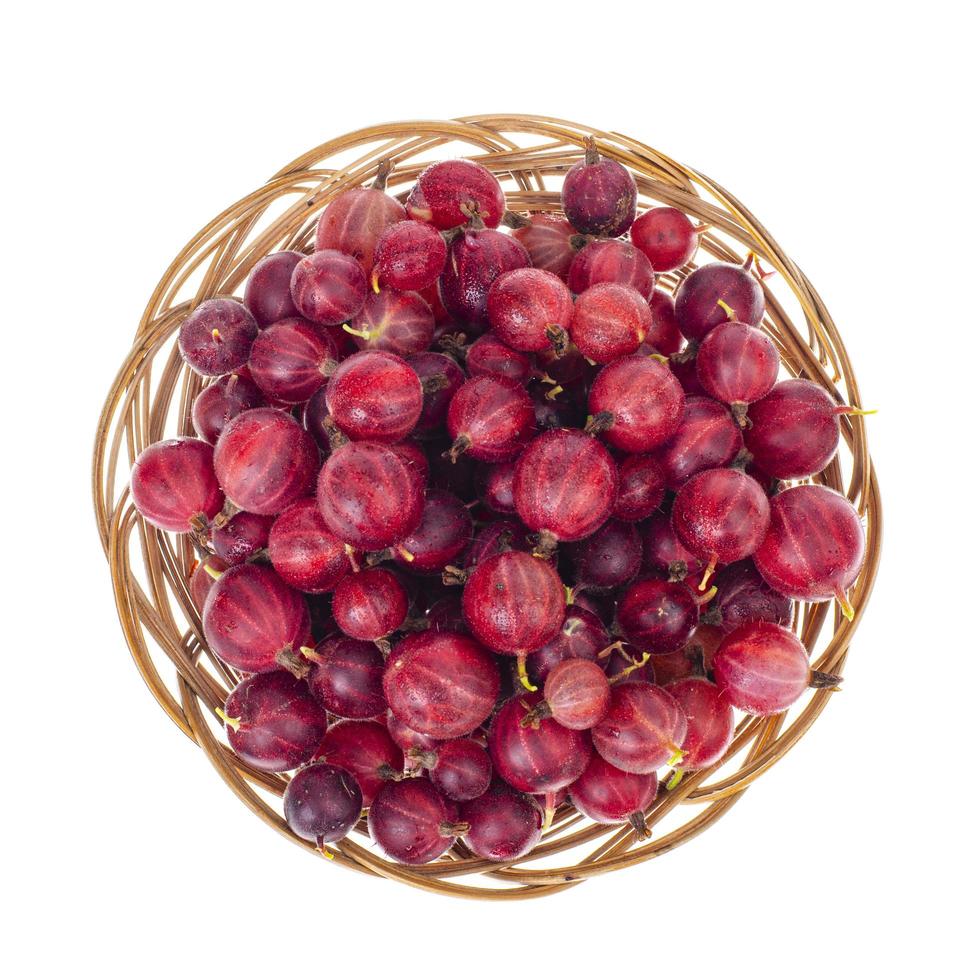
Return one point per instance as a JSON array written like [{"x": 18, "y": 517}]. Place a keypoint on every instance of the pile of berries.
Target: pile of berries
[{"x": 487, "y": 522}]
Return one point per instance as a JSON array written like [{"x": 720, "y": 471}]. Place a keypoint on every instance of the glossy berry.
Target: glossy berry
[
  {"x": 370, "y": 495},
  {"x": 504, "y": 824},
  {"x": 267, "y": 294},
  {"x": 460, "y": 769},
  {"x": 217, "y": 336},
  {"x": 666, "y": 236},
  {"x": 322, "y": 803},
  {"x": 744, "y": 597},
  {"x": 565, "y": 485},
  {"x": 664, "y": 553},
  {"x": 328, "y": 287},
  {"x": 577, "y": 694},
  {"x": 409, "y": 256},
  {"x": 582, "y": 635},
  {"x": 346, "y": 678},
  {"x": 290, "y": 359},
  {"x": 265, "y": 460},
  {"x": 493, "y": 539},
  {"x": 253, "y": 620},
  {"x": 710, "y": 721},
  {"x": 241, "y": 538},
  {"x": 658, "y": 616},
  {"x": 412, "y": 822},
  {"x": 696, "y": 303},
  {"x": 641, "y": 488},
  {"x": 370, "y": 604},
  {"x": 814, "y": 547},
  {"x": 441, "y": 536},
  {"x": 608, "y": 559},
  {"x": 611, "y": 260},
  {"x": 220, "y": 402},
  {"x": 303, "y": 550},
  {"x": 544, "y": 759},
  {"x": 400, "y": 323},
  {"x": 663, "y": 335},
  {"x": 273, "y": 722},
  {"x": 496, "y": 606},
  {"x": 490, "y": 356},
  {"x": 365, "y": 750},
  {"x": 643, "y": 729},
  {"x": 448, "y": 193},
  {"x": 205, "y": 573},
  {"x": 606, "y": 794},
  {"x": 548, "y": 240},
  {"x": 491, "y": 419},
  {"x": 636, "y": 403},
  {"x": 174, "y": 486},
  {"x": 441, "y": 377},
  {"x": 761, "y": 668},
  {"x": 738, "y": 365},
  {"x": 598, "y": 195},
  {"x": 706, "y": 437},
  {"x": 407, "y": 739},
  {"x": 610, "y": 321},
  {"x": 496, "y": 485}
]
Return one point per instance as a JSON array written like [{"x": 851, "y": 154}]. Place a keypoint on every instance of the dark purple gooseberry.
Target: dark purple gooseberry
[
  {"x": 476, "y": 258},
  {"x": 717, "y": 292},
  {"x": 744, "y": 597},
  {"x": 608, "y": 559},
  {"x": 495, "y": 538},
  {"x": 446, "y": 614},
  {"x": 374, "y": 395},
  {"x": 290, "y": 359},
  {"x": 370, "y": 495},
  {"x": 496, "y": 485},
  {"x": 241, "y": 537},
  {"x": 606, "y": 794},
  {"x": 644, "y": 728},
  {"x": 738, "y": 365},
  {"x": 610, "y": 321},
  {"x": 663, "y": 551},
  {"x": 641, "y": 488},
  {"x": 444, "y": 531},
  {"x": 354, "y": 220},
  {"x": 491, "y": 419},
  {"x": 566, "y": 368},
  {"x": 346, "y": 677},
  {"x": 528, "y": 307},
  {"x": 174, "y": 486},
  {"x": 576, "y": 695},
  {"x": 370, "y": 604},
  {"x": 322, "y": 803},
  {"x": 636, "y": 403},
  {"x": 441, "y": 377},
  {"x": 448, "y": 193},
  {"x": 710, "y": 721},
  {"x": 412, "y": 822},
  {"x": 409, "y": 256},
  {"x": 253, "y": 620},
  {"x": 666, "y": 236},
  {"x": 685, "y": 368},
  {"x": 504, "y": 825},
  {"x": 267, "y": 294},
  {"x": 364, "y": 749},
  {"x": 273, "y": 722},
  {"x": 556, "y": 412},
  {"x": 265, "y": 460},
  {"x": 400, "y": 323},
  {"x": 598, "y": 195},
  {"x": 658, "y": 616},
  {"x": 611, "y": 260},
  {"x": 303, "y": 550},
  {"x": 544, "y": 759},
  {"x": 582, "y": 636},
  {"x": 220, "y": 402},
  {"x": 217, "y": 336},
  {"x": 328, "y": 287},
  {"x": 489, "y": 356},
  {"x": 706, "y": 437},
  {"x": 548, "y": 240},
  {"x": 565, "y": 486},
  {"x": 460, "y": 769},
  {"x": 663, "y": 335}
]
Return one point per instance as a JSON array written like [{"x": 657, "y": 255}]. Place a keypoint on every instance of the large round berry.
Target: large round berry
[{"x": 217, "y": 336}]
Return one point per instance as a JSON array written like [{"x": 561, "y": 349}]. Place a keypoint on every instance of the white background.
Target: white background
[{"x": 846, "y": 127}]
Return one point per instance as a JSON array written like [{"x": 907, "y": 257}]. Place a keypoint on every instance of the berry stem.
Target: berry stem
[
  {"x": 457, "y": 449},
  {"x": 729, "y": 312},
  {"x": 851, "y": 410},
  {"x": 634, "y": 665},
  {"x": 233, "y": 723},
  {"x": 436, "y": 383},
  {"x": 708, "y": 572},
  {"x": 638, "y": 822},
  {"x": 514, "y": 220},
  {"x": 522, "y": 675},
  {"x": 675, "y": 778},
  {"x": 591, "y": 151},
  {"x": 453, "y": 575},
  {"x": 289, "y": 660},
  {"x": 384, "y": 171},
  {"x": 536, "y": 715},
  {"x": 600, "y": 422},
  {"x": 845, "y": 606},
  {"x": 819, "y": 680},
  {"x": 559, "y": 339}
]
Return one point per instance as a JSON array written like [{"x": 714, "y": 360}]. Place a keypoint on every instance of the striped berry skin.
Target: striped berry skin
[
  {"x": 267, "y": 294},
  {"x": 370, "y": 495},
  {"x": 328, "y": 287},
  {"x": 696, "y": 303},
  {"x": 202, "y": 579},
  {"x": 412, "y": 822},
  {"x": 611, "y": 260},
  {"x": 610, "y": 321},
  {"x": 441, "y": 683},
  {"x": 265, "y": 460},
  {"x": 220, "y": 402},
  {"x": 598, "y": 195},
  {"x": 217, "y": 336},
  {"x": 174, "y": 486},
  {"x": 644, "y": 400},
  {"x": 663, "y": 335},
  {"x": 548, "y": 240},
  {"x": 721, "y": 515},
  {"x": 737, "y": 364},
  {"x": 400, "y": 323},
  {"x": 445, "y": 530},
  {"x": 290, "y": 359},
  {"x": 503, "y": 824},
  {"x": 242, "y": 537},
  {"x": 606, "y": 794},
  {"x": 577, "y": 693},
  {"x": 369, "y": 605},
  {"x": 251, "y": 616},
  {"x": 346, "y": 678},
  {"x": 446, "y": 194},
  {"x": 491, "y": 419},
  {"x": 643, "y": 729},
  {"x": 663, "y": 551},
  {"x": 761, "y": 668},
  {"x": 353, "y": 222},
  {"x": 303, "y": 550},
  {"x": 274, "y": 724},
  {"x": 544, "y": 759},
  {"x": 364, "y": 749},
  {"x": 430, "y": 365},
  {"x": 815, "y": 545},
  {"x": 666, "y": 236},
  {"x": 461, "y": 770},
  {"x": 582, "y": 635},
  {"x": 657, "y": 616},
  {"x": 496, "y": 606},
  {"x": 409, "y": 256},
  {"x": 706, "y": 437},
  {"x": 374, "y": 395},
  {"x": 641, "y": 488},
  {"x": 565, "y": 484},
  {"x": 710, "y": 721},
  {"x": 524, "y": 304},
  {"x": 489, "y": 355}
]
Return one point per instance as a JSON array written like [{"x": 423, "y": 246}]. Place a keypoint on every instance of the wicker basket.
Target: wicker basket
[{"x": 152, "y": 395}]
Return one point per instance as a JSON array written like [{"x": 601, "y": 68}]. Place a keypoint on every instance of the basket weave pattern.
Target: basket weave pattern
[{"x": 151, "y": 397}]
